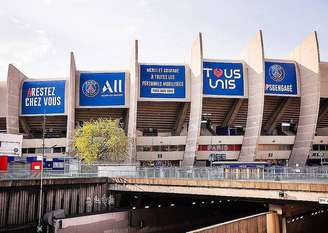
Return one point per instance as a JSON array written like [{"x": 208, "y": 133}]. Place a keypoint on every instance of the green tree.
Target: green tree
[{"x": 101, "y": 139}]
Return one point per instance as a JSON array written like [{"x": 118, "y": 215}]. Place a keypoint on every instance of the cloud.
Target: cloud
[
  {"x": 50, "y": 2},
  {"x": 21, "y": 44},
  {"x": 80, "y": 1}
]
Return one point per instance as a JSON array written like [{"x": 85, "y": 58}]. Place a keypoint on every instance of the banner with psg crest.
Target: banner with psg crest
[
  {"x": 280, "y": 78},
  {"x": 102, "y": 89}
]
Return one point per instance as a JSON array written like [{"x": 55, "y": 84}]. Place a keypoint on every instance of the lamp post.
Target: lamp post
[
  {"x": 321, "y": 154},
  {"x": 39, "y": 227}
]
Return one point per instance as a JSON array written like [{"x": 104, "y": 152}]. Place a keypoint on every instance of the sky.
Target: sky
[{"x": 38, "y": 35}]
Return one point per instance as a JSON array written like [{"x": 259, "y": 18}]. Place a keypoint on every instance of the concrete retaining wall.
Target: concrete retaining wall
[
  {"x": 110, "y": 223},
  {"x": 260, "y": 223}
]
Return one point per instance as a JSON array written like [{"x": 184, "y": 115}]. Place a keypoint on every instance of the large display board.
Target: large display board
[
  {"x": 43, "y": 97},
  {"x": 280, "y": 78},
  {"x": 162, "y": 81},
  {"x": 223, "y": 78},
  {"x": 102, "y": 89}
]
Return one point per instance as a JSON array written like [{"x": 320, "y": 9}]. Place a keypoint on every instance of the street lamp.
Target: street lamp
[
  {"x": 321, "y": 154},
  {"x": 39, "y": 227}
]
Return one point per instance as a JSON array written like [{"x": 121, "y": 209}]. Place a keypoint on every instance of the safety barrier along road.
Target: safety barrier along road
[{"x": 317, "y": 174}]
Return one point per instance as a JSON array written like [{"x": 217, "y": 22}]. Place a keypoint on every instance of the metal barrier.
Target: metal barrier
[{"x": 207, "y": 173}]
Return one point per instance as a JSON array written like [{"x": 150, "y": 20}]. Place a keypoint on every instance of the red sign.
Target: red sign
[
  {"x": 36, "y": 166},
  {"x": 3, "y": 162}
]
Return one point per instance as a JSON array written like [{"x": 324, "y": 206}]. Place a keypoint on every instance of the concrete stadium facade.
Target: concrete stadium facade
[{"x": 255, "y": 114}]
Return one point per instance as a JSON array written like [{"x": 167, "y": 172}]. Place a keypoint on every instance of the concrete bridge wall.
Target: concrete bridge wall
[
  {"x": 259, "y": 223},
  {"x": 268, "y": 190}
]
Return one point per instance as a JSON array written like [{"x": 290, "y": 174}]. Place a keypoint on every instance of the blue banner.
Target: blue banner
[
  {"x": 102, "y": 89},
  {"x": 280, "y": 78},
  {"x": 58, "y": 164},
  {"x": 162, "y": 81},
  {"x": 220, "y": 78},
  {"x": 43, "y": 97}
]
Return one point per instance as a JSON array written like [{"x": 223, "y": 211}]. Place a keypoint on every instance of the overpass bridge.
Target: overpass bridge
[
  {"x": 296, "y": 199},
  {"x": 270, "y": 185}
]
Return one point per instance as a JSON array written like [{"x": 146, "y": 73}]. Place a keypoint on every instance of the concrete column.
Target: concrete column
[
  {"x": 273, "y": 225},
  {"x": 132, "y": 121},
  {"x": 253, "y": 55},
  {"x": 71, "y": 105},
  {"x": 280, "y": 217},
  {"x": 15, "y": 79},
  {"x": 283, "y": 225},
  {"x": 307, "y": 57},
  {"x": 196, "y": 102}
]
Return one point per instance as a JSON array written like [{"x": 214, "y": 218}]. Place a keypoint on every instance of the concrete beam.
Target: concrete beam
[
  {"x": 253, "y": 55},
  {"x": 126, "y": 121},
  {"x": 323, "y": 111},
  {"x": 25, "y": 126},
  {"x": 231, "y": 115},
  {"x": 323, "y": 79},
  {"x": 307, "y": 57},
  {"x": 71, "y": 105},
  {"x": 276, "y": 116},
  {"x": 15, "y": 80},
  {"x": 210, "y": 129},
  {"x": 132, "y": 121},
  {"x": 182, "y": 114},
  {"x": 196, "y": 102},
  {"x": 291, "y": 190}
]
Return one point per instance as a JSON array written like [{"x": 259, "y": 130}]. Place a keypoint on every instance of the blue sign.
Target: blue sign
[
  {"x": 102, "y": 89},
  {"x": 58, "y": 164},
  {"x": 220, "y": 78},
  {"x": 47, "y": 164},
  {"x": 162, "y": 81},
  {"x": 280, "y": 78},
  {"x": 43, "y": 97}
]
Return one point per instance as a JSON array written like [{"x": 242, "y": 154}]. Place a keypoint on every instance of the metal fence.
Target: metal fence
[
  {"x": 217, "y": 173},
  {"x": 311, "y": 174}
]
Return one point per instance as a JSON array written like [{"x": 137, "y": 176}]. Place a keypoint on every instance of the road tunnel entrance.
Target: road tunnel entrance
[{"x": 181, "y": 213}]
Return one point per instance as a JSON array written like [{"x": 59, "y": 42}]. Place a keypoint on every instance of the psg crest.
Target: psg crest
[
  {"x": 277, "y": 73},
  {"x": 90, "y": 88}
]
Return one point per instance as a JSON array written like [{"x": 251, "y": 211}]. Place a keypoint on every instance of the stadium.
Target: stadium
[{"x": 250, "y": 109}]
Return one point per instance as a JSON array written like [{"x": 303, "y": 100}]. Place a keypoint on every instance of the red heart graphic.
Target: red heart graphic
[{"x": 218, "y": 72}]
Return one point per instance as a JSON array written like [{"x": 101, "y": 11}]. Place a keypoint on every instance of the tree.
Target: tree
[{"x": 101, "y": 139}]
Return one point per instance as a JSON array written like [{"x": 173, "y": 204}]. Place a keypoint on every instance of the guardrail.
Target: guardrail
[
  {"x": 207, "y": 173},
  {"x": 219, "y": 173},
  {"x": 28, "y": 174}
]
